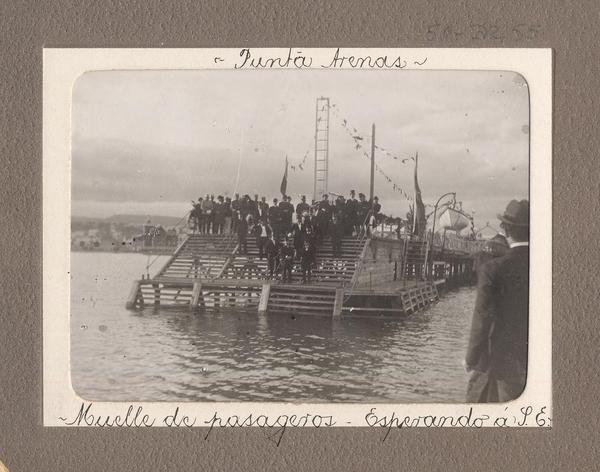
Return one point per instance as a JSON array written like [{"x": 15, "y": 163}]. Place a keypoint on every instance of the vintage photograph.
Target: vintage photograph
[{"x": 318, "y": 236}]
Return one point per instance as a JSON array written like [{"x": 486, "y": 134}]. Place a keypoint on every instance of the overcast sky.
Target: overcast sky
[{"x": 151, "y": 141}]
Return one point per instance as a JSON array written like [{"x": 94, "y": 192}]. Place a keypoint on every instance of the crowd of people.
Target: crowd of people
[{"x": 286, "y": 232}]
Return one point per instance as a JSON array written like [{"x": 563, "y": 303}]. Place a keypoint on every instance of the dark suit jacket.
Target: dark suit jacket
[{"x": 498, "y": 340}]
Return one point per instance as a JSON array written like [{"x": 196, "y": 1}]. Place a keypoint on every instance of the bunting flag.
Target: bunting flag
[
  {"x": 358, "y": 139},
  {"x": 283, "y": 187}
]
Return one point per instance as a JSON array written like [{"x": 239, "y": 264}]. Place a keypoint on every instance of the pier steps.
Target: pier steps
[
  {"x": 303, "y": 300},
  {"x": 369, "y": 277},
  {"x": 329, "y": 268}
]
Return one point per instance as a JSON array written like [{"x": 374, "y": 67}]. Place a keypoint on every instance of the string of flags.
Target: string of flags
[
  {"x": 358, "y": 145},
  {"x": 354, "y": 134},
  {"x": 302, "y": 164}
]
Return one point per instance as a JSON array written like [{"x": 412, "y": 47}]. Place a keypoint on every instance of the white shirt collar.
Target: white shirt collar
[{"x": 522, "y": 243}]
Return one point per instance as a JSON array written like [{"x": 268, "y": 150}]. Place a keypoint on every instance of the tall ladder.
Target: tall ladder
[{"x": 321, "y": 148}]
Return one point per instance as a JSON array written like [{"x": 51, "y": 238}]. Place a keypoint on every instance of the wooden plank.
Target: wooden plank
[
  {"x": 264, "y": 298},
  {"x": 382, "y": 310}
]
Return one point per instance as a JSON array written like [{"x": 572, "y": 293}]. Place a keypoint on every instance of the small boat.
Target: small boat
[{"x": 454, "y": 220}]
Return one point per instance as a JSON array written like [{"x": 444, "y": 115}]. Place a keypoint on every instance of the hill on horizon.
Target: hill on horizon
[{"x": 134, "y": 219}]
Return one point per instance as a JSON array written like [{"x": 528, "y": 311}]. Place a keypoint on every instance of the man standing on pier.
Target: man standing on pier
[
  {"x": 497, "y": 351},
  {"x": 302, "y": 207},
  {"x": 351, "y": 210}
]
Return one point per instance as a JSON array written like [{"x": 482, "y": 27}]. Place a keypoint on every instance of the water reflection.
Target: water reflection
[{"x": 159, "y": 354}]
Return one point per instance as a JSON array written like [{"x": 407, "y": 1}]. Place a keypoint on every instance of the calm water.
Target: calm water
[{"x": 167, "y": 355}]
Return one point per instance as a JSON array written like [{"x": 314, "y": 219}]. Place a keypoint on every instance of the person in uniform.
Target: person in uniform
[
  {"x": 254, "y": 207},
  {"x": 263, "y": 233},
  {"x": 263, "y": 208},
  {"x": 219, "y": 215},
  {"x": 307, "y": 260},
  {"x": 196, "y": 215},
  {"x": 350, "y": 213},
  {"x": 337, "y": 231},
  {"x": 228, "y": 229},
  {"x": 241, "y": 227},
  {"x": 497, "y": 351},
  {"x": 298, "y": 235},
  {"x": 302, "y": 207},
  {"x": 275, "y": 219},
  {"x": 284, "y": 209},
  {"x": 323, "y": 216},
  {"x": 206, "y": 209},
  {"x": 339, "y": 208},
  {"x": 272, "y": 252},
  {"x": 362, "y": 211},
  {"x": 286, "y": 259}
]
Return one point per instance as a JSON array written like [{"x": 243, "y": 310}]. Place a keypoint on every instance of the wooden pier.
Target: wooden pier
[{"x": 372, "y": 276}]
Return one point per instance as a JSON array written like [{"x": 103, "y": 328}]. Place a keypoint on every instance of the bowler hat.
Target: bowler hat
[{"x": 516, "y": 213}]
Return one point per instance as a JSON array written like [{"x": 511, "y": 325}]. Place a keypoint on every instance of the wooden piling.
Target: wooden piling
[
  {"x": 338, "y": 303},
  {"x": 264, "y": 298},
  {"x": 196, "y": 294},
  {"x": 156, "y": 294},
  {"x": 133, "y": 295}
]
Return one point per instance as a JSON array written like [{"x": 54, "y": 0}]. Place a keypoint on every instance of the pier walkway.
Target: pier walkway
[{"x": 370, "y": 276}]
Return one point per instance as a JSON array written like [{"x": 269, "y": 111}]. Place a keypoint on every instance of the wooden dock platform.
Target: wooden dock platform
[{"x": 369, "y": 277}]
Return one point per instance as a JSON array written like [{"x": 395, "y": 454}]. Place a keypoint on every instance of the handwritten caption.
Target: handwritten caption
[
  {"x": 297, "y": 59},
  {"x": 136, "y": 417}
]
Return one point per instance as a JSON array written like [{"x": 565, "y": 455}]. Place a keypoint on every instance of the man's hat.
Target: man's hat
[{"x": 516, "y": 213}]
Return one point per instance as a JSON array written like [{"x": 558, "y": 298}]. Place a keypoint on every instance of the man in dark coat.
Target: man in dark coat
[
  {"x": 241, "y": 227},
  {"x": 324, "y": 216},
  {"x": 275, "y": 219},
  {"x": 263, "y": 208},
  {"x": 497, "y": 351},
  {"x": 362, "y": 211},
  {"x": 254, "y": 206},
  {"x": 286, "y": 259},
  {"x": 495, "y": 247},
  {"x": 302, "y": 207},
  {"x": 196, "y": 215},
  {"x": 286, "y": 211},
  {"x": 235, "y": 207},
  {"x": 350, "y": 213},
  {"x": 337, "y": 231},
  {"x": 298, "y": 235},
  {"x": 307, "y": 260},
  {"x": 219, "y": 215},
  {"x": 263, "y": 233},
  {"x": 272, "y": 252}
]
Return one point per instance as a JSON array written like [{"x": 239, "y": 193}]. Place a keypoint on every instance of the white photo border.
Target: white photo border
[{"x": 61, "y": 69}]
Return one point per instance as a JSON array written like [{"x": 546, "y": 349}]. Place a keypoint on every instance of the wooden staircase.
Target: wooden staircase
[
  {"x": 200, "y": 256},
  {"x": 329, "y": 269},
  {"x": 207, "y": 272},
  {"x": 303, "y": 300}
]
